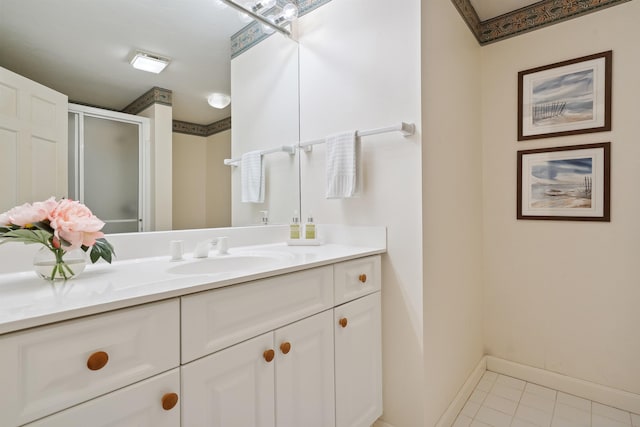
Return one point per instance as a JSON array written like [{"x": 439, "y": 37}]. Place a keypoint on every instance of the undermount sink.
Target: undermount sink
[{"x": 232, "y": 263}]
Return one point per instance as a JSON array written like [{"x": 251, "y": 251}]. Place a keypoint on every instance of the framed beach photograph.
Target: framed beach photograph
[
  {"x": 565, "y": 183},
  {"x": 565, "y": 98}
]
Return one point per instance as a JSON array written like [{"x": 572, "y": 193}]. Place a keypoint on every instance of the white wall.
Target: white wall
[
  {"x": 161, "y": 181},
  {"x": 360, "y": 69},
  {"x": 218, "y": 188},
  {"x": 264, "y": 110},
  {"x": 564, "y": 296},
  {"x": 451, "y": 205},
  {"x": 201, "y": 181}
]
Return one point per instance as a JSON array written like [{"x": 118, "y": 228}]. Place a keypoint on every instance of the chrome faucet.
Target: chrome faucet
[{"x": 202, "y": 248}]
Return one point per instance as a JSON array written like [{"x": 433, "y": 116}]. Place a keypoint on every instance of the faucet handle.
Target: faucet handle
[
  {"x": 202, "y": 249},
  {"x": 223, "y": 245}
]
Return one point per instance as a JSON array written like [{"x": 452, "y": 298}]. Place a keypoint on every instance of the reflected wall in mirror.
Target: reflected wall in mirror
[{"x": 82, "y": 49}]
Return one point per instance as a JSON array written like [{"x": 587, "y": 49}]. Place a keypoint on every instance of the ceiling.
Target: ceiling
[
  {"x": 82, "y": 48},
  {"x": 487, "y": 9}
]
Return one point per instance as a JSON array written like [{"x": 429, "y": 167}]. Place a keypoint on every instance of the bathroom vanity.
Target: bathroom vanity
[{"x": 292, "y": 339}]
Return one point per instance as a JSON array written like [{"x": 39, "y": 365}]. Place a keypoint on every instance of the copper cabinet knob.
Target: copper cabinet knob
[
  {"x": 343, "y": 322},
  {"x": 269, "y": 355},
  {"x": 285, "y": 347},
  {"x": 97, "y": 360},
  {"x": 362, "y": 278},
  {"x": 169, "y": 400}
]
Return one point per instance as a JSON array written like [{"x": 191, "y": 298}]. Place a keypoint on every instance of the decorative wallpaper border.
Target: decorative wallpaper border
[
  {"x": 252, "y": 34},
  {"x": 155, "y": 95},
  {"x": 538, "y": 15},
  {"x": 201, "y": 130},
  {"x": 470, "y": 16}
]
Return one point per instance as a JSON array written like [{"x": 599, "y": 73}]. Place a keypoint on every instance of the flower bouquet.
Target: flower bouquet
[{"x": 62, "y": 227}]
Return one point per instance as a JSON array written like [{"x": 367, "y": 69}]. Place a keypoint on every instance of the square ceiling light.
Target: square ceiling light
[{"x": 149, "y": 62}]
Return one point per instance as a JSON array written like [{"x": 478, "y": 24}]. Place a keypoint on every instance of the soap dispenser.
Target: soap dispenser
[
  {"x": 294, "y": 227},
  {"x": 310, "y": 229}
]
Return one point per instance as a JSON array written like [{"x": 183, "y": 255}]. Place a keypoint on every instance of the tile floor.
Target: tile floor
[{"x": 502, "y": 401}]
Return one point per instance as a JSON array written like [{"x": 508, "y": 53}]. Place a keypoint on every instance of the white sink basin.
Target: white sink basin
[{"x": 237, "y": 262}]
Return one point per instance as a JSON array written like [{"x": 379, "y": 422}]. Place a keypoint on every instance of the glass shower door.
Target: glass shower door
[{"x": 110, "y": 170}]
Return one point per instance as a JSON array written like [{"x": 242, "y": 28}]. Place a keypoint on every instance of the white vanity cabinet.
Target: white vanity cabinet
[{"x": 291, "y": 350}]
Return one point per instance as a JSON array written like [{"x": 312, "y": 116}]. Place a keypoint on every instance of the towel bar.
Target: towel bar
[{"x": 291, "y": 149}]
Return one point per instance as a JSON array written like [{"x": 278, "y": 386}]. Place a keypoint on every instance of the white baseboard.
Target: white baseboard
[
  {"x": 381, "y": 424},
  {"x": 449, "y": 417},
  {"x": 581, "y": 388}
]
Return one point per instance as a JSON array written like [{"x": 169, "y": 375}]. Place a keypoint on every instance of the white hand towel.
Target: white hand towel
[
  {"x": 341, "y": 165},
  {"x": 252, "y": 177}
]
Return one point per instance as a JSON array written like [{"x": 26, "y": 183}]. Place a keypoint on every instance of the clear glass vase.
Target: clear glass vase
[{"x": 56, "y": 264}]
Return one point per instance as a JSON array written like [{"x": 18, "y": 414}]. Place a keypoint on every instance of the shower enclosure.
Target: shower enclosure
[{"x": 109, "y": 166}]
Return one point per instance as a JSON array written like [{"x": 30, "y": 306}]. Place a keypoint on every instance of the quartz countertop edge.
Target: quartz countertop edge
[{"x": 27, "y": 301}]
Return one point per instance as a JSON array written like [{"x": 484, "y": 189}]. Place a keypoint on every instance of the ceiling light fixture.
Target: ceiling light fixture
[
  {"x": 219, "y": 100},
  {"x": 149, "y": 62}
]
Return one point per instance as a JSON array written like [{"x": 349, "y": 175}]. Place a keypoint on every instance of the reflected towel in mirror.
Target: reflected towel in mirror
[{"x": 252, "y": 177}]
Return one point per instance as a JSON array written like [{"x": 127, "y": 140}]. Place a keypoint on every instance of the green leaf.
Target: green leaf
[
  {"x": 102, "y": 249},
  {"x": 26, "y": 236}
]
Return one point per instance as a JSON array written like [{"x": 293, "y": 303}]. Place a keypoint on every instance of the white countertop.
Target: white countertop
[{"x": 27, "y": 301}]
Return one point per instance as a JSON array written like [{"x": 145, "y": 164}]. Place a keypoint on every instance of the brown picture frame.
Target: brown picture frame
[
  {"x": 570, "y": 183},
  {"x": 565, "y": 98}
]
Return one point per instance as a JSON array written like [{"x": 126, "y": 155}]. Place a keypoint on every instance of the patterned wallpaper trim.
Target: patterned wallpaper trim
[
  {"x": 201, "y": 130},
  {"x": 155, "y": 95},
  {"x": 252, "y": 34},
  {"x": 470, "y": 16},
  {"x": 538, "y": 15}
]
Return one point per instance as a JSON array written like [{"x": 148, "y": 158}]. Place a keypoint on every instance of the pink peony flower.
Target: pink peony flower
[
  {"x": 74, "y": 223},
  {"x": 28, "y": 214}
]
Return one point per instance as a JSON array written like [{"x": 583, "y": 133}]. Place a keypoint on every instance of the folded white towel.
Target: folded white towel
[
  {"x": 341, "y": 165},
  {"x": 252, "y": 177}
]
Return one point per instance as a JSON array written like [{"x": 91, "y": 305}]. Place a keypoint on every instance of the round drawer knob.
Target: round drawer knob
[
  {"x": 269, "y": 355},
  {"x": 285, "y": 347},
  {"x": 169, "y": 400},
  {"x": 362, "y": 278},
  {"x": 343, "y": 322},
  {"x": 97, "y": 360}
]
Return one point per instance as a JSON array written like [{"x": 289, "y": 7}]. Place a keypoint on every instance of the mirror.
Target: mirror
[{"x": 82, "y": 49}]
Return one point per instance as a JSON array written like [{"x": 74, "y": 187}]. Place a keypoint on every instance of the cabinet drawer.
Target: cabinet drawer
[
  {"x": 356, "y": 278},
  {"x": 220, "y": 318},
  {"x": 139, "y": 405},
  {"x": 46, "y": 369}
]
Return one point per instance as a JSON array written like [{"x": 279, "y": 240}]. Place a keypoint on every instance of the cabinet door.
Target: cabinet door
[
  {"x": 230, "y": 388},
  {"x": 304, "y": 373},
  {"x": 33, "y": 141},
  {"x": 358, "y": 353},
  {"x": 144, "y": 404}
]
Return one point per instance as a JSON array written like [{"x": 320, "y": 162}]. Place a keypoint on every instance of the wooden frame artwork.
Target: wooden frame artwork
[
  {"x": 565, "y": 98},
  {"x": 565, "y": 183}
]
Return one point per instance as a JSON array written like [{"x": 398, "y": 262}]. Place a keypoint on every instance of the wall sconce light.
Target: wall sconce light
[
  {"x": 149, "y": 62},
  {"x": 219, "y": 100}
]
